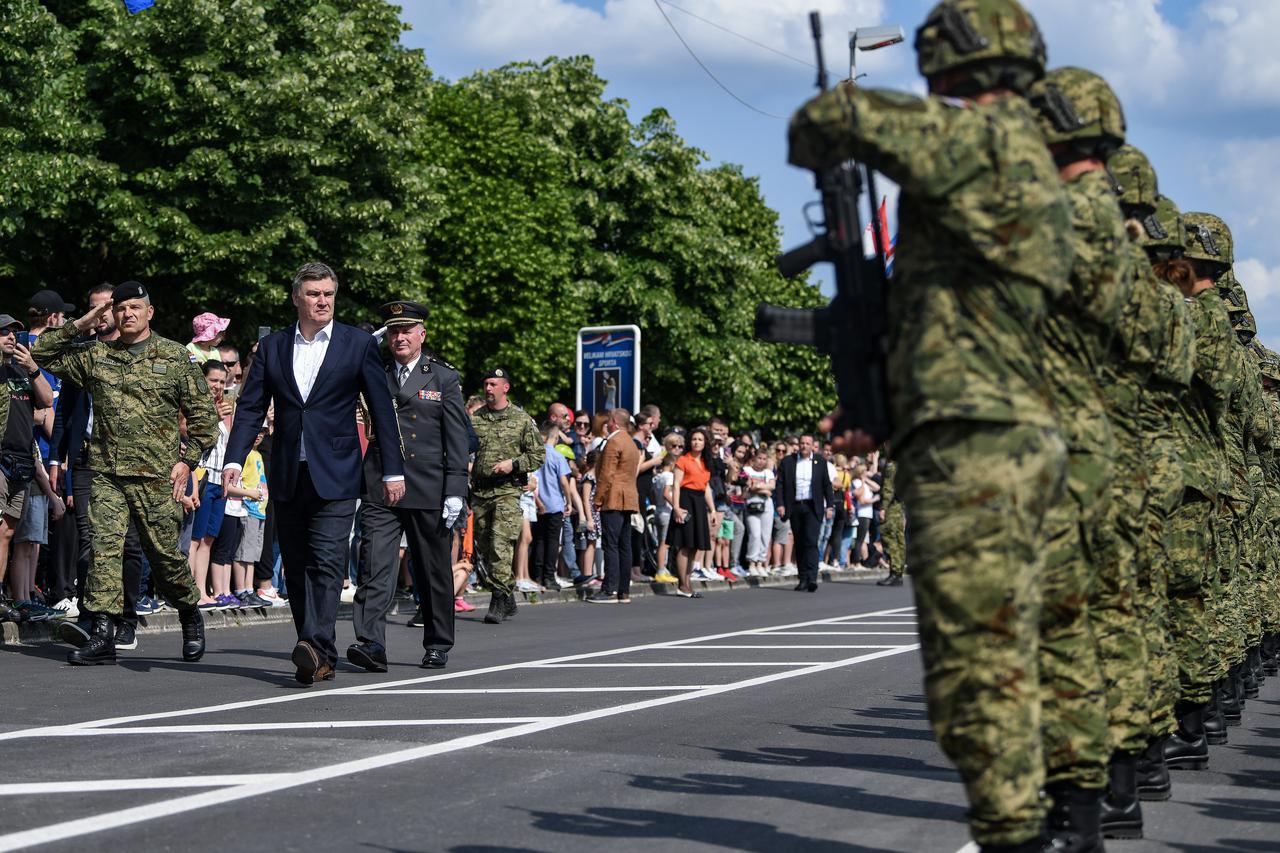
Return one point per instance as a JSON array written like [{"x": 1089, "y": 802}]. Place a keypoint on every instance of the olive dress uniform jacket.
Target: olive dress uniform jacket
[{"x": 433, "y": 434}]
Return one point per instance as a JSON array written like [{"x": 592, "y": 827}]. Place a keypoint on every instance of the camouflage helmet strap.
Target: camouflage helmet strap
[
  {"x": 1054, "y": 104},
  {"x": 1205, "y": 236},
  {"x": 957, "y": 30},
  {"x": 1153, "y": 227}
]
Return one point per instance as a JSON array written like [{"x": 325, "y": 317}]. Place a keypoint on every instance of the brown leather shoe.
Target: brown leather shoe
[
  {"x": 306, "y": 676},
  {"x": 304, "y": 657}
]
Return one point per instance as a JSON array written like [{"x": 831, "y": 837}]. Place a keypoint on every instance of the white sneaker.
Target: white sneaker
[
  {"x": 348, "y": 594},
  {"x": 563, "y": 583},
  {"x": 272, "y": 596},
  {"x": 527, "y": 586},
  {"x": 709, "y": 575},
  {"x": 69, "y": 607},
  {"x": 790, "y": 571}
]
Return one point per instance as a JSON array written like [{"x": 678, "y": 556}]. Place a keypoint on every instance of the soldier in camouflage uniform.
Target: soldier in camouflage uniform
[
  {"x": 1082, "y": 123},
  {"x": 141, "y": 384},
  {"x": 893, "y": 528},
  {"x": 985, "y": 251},
  {"x": 1269, "y": 365},
  {"x": 1149, "y": 366},
  {"x": 510, "y": 450}
]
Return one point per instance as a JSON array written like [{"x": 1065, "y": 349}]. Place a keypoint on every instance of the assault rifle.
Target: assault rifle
[{"x": 851, "y": 328}]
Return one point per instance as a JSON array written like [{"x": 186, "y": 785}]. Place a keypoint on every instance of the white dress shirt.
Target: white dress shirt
[
  {"x": 308, "y": 355},
  {"x": 804, "y": 478}
]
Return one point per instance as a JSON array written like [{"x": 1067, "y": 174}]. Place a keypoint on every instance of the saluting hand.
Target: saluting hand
[{"x": 90, "y": 320}]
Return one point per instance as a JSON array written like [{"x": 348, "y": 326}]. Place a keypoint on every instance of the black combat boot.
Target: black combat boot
[
  {"x": 1225, "y": 690},
  {"x": 1074, "y": 818},
  {"x": 1248, "y": 679},
  {"x": 192, "y": 634},
  {"x": 497, "y": 608},
  {"x": 1153, "y": 773},
  {"x": 1121, "y": 810},
  {"x": 1254, "y": 660},
  {"x": 1270, "y": 655},
  {"x": 1188, "y": 748},
  {"x": 1215, "y": 724},
  {"x": 508, "y": 605},
  {"x": 1235, "y": 676},
  {"x": 101, "y": 647}
]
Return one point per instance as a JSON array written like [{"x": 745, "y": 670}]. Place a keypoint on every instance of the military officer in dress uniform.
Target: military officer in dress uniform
[{"x": 433, "y": 434}]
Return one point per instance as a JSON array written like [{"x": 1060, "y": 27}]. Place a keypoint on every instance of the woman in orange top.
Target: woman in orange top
[{"x": 693, "y": 503}]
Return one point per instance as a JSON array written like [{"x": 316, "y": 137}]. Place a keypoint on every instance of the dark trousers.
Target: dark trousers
[
  {"x": 546, "y": 547},
  {"x": 313, "y": 547},
  {"x": 263, "y": 568},
  {"x": 429, "y": 542},
  {"x": 617, "y": 551},
  {"x": 833, "y": 542},
  {"x": 131, "y": 571},
  {"x": 63, "y": 557},
  {"x": 805, "y": 527}
]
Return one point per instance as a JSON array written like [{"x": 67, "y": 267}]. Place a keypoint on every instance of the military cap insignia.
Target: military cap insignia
[
  {"x": 397, "y": 308},
  {"x": 429, "y": 395}
]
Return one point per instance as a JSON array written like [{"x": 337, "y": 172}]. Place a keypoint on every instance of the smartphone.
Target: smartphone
[{"x": 24, "y": 339}]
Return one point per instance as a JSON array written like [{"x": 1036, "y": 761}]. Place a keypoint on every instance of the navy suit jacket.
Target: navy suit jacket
[{"x": 328, "y": 416}]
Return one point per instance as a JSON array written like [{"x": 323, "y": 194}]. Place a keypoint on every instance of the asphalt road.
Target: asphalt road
[{"x": 764, "y": 721}]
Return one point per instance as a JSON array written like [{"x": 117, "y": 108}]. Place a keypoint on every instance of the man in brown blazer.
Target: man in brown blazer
[{"x": 616, "y": 498}]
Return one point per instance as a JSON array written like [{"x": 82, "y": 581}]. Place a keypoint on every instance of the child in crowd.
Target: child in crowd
[
  {"x": 250, "y": 507},
  {"x": 529, "y": 514},
  {"x": 672, "y": 447}
]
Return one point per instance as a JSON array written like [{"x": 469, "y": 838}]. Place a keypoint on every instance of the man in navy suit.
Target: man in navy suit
[
  {"x": 314, "y": 372},
  {"x": 806, "y": 497}
]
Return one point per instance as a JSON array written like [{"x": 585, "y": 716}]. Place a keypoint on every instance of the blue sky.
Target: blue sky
[{"x": 1199, "y": 79}]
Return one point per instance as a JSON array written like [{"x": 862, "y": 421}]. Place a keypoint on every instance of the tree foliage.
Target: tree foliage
[{"x": 208, "y": 148}]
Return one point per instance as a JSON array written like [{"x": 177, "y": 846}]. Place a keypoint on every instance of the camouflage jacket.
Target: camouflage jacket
[
  {"x": 504, "y": 434},
  {"x": 1202, "y": 410},
  {"x": 1078, "y": 330},
  {"x": 136, "y": 401},
  {"x": 890, "y": 470},
  {"x": 985, "y": 246}
]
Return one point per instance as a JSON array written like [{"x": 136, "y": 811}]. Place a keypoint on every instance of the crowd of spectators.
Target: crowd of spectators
[{"x": 706, "y": 508}]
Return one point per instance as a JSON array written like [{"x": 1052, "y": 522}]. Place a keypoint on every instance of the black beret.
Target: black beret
[
  {"x": 128, "y": 290},
  {"x": 499, "y": 373}
]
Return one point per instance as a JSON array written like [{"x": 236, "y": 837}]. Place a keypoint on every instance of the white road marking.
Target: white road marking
[
  {"x": 788, "y": 647},
  {"x": 467, "y": 691},
  {"x": 315, "y": 693},
  {"x": 837, "y": 633},
  {"x": 971, "y": 847},
  {"x": 86, "y": 786},
  {"x": 652, "y": 664},
  {"x": 276, "y": 726},
  {"x": 180, "y": 805}
]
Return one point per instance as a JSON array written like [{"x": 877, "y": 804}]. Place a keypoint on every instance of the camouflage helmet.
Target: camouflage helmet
[
  {"x": 1164, "y": 235},
  {"x": 997, "y": 41},
  {"x": 1208, "y": 239},
  {"x": 1132, "y": 171},
  {"x": 1237, "y": 302},
  {"x": 1268, "y": 361},
  {"x": 1073, "y": 105}
]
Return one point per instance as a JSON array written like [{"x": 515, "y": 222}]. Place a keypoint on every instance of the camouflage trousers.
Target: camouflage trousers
[
  {"x": 1164, "y": 496},
  {"x": 1227, "y": 614},
  {"x": 1073, "y": 703},
  {"x": 1119, "y": 625},
  {"x": 977, "y": 494},
  {"x": 497, "y": 521},
  {"x": 1255, "y": 592},
  {"x": 158, "y": 518},
  {"x": 1269, "y": 580},
  {"x": 893, "y": 537},
  {"x": 1192, "y": 582}
]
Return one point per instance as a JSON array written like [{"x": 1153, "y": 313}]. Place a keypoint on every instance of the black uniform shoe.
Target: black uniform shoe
[
  {"x": 1074, "y": 818},
  {"x": 371, "y": 657},
  {"x": 497, "y": 608},
  {"x": 11, "y": 614},
  {"x": 812, "y": 586},
  {"x": 799, "y": 587},
  {"x": 435, "y": 659},
  {"x": 1188, "y": 748},
  {"x": 890, "y": 580},
  {"x": 192, "y": 634},
  {"x": 101, "y": 647},
  {"x": 419, "y": 619},
  {"x": 1227, "y": 702},
  {"x": 76, "y": 633},
  {"x": 126, "y": 637},
  {"x": 1215, "y": 724},
  {"x": 1153, "y": 773},
  {"x": 1121, "y": 810}
]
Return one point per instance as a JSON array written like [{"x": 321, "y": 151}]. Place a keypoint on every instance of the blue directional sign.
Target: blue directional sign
[
  {"x": 136, "y": 6},
  {"x": 608, "y": 368}
]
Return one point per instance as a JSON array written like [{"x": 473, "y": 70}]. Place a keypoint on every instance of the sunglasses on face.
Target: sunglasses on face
[
  {"x": 230, "y": 364},
  {"x": 4, "y": 333},
  {"x": 582, "y": 424}
]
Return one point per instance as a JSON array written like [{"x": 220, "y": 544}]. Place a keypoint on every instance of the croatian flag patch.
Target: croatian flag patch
[{"x": 429, "y": 395}]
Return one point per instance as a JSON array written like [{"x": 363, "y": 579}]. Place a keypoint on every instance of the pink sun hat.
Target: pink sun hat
[{"x": 207, "y": 326}]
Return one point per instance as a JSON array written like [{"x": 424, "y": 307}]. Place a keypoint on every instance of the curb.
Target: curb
[{"x": 166, "y": 621}]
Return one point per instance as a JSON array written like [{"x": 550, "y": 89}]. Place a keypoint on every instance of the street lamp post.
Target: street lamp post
[{"x": 871, "y": 38}]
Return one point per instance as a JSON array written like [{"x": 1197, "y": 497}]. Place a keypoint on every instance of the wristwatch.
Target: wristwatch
[{"x": 33, "y": 374}]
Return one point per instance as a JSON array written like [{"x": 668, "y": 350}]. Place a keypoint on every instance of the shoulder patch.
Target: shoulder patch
[{"x": 202, "y": 385}]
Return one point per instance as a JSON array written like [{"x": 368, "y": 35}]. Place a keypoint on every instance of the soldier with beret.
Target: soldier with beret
[
  {"x": 510, "y": 450},
  {"x": 140, "y": 384},
  {"x": 433, "y": 437}
]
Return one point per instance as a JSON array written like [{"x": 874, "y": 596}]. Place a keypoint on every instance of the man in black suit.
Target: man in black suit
[
  {"x": 433, "y": 436},
  {"x": 806, "y": 498},
  {"x": 314, "y": 373}
]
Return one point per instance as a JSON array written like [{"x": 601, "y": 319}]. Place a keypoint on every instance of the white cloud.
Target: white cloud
[{"x": 1260, "y": 281}]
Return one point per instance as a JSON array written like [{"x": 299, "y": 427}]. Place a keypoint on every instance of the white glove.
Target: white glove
[{"x": 452, "y": 509}]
